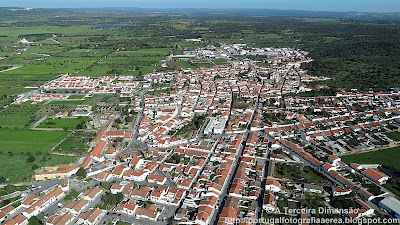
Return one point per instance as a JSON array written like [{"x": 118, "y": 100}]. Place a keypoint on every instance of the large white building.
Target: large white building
[{"x": 216, "y": 125}]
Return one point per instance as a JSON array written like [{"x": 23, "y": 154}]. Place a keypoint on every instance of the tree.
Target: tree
[
  {"x": 34, "y": 221},
  {"x": 30, "y": 159},
  {"x": 73, "y": 193},
  {"x": 34, "y": 166},
  {"x": 9, "y": 188},
  {"x": 105, "y": 185},
  {"x": 81, "y": 173},
  {"x": 68, "y": 198},
  {"x": 118, "y": 120}
]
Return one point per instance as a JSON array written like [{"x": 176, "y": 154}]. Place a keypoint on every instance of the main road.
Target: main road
[{"x": 232, "y": 172}]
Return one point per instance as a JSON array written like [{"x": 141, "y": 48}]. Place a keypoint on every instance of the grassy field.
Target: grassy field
[
  {"x": 165, "y": 90},
  {"x": 384, "y": 157},
  {"x": 17, "y": 116},
  {"x": 18, "y": 144},
  {"x": 220, "y": 61},
  {"x": 65, "y": 123},
  {"x": 137, "y": 62},
  {"x": 187, "y": 64},
  {"x": 76, "y": 143},
  {"x": 86, "y": 101},
  {"x": 297, "y": 173},
  {"x": 395, "y": 136},
  {"x": 76, "y": 97}
]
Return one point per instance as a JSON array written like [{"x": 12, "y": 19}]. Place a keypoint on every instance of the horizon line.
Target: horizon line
[{"x": 203, "y": 8}]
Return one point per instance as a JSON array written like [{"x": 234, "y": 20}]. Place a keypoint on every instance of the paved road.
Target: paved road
[
  {"x": 135, "y": 130},
  {"x": 232, "y": 173}
]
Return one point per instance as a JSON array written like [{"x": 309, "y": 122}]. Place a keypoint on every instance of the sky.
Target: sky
[{"x": 314, "y": 5}]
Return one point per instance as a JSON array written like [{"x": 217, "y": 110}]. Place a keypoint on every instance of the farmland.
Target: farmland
[
  {"x": 388, "y": 157},
  {"x": 17, "y": 145},
  {"x": 394, "y": 136},
  {"x": 65, "y": 123},
  {"x": 75, "y": 144},
  {"x": 18, "y": 116}
]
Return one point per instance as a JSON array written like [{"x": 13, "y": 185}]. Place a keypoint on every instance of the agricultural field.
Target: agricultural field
[
  {"x": 76, "y": 97},
  {"x": 296, "y": 173},
  {"x": 187, "y": 64},
  {"x": 17, "y": 145},
  {"x": 220, "y": 61},
  {"x": 85, "y": 101},
  {"x": 240, "y": 103},
  {"x": 18, "y": 116},
  {"x": 395, "y": 136},
  {"x": 65, "y": 123},
  {"x": 76, "y": 143},
  {"x": 176, "y": 65},
  {"x": 388, "y": 157},
  {"x": 136, "y": 63}
]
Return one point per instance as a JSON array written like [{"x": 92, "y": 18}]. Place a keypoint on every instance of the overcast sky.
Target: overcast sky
[{"x": 316, "y": 5}]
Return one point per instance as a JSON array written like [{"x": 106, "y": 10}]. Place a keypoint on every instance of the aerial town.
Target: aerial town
[{"x": 228, "y": 144}]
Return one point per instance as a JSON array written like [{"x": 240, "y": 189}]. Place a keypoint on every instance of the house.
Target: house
[
  {"x": 156, "y": 179},
  {"x": 104, "y": 176},
  {"x": 63, "y": 171},
  {"x": 138, "y": 175},
  {"x": 375, "y": 176},
  {"x": 20, "y": 219},
  {"x": 337, "y": 191},
  {"x": 333, "y": 159},
  {"x": 119, "y": 171},
  {"x": 91, "y": 217},
  {"x": 273, "y": 185},
  {"x": 43, "y": 203},
  {"x": 2, "y": 216},
  {"x": 355, "y": 166},
  {"x": 269, "y": 203},
  {"x": 136, "y": 163},
  {"x": 30, "y": 200},
  {"x": 142, "y": 193},
  {"x": 116, "y": 188},
  {"x": 364, "y": 210},
  {"x": 92, "y": 193},
  {"x": 76, "y": 207},
  {"x": 328, "y": 167},
  {"x": 149, "y": 212},
  {"x": 60, "y": 219},
  {"x": 365, "y": 194},
  {"x": 64, "y": 184},
  {"x": 228, "y": 214},
  {"x": 313, "y": 188}
]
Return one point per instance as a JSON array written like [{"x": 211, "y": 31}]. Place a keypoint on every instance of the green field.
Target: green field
[
  {"x": 65, "y": 123},
  {"x": 137, "y": 62},
  {"x": 18, "y": 144},
  {"x": 165, "y": 90},
  {"x": 76, "y": 97},
  {"x": 86, "y": 101},
  {"x": 76, "y": 143},
  {"x": 298, "y": 173},
  {"x": 187, "y": 64},
  {"x": 220, "y": 61},
  {"x": 18, "y": 116},
  {"x": 389, "y": 157},
  {"x": 395, "y": 136}
]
